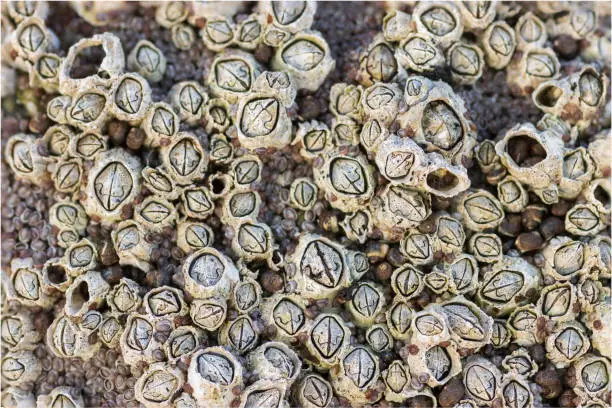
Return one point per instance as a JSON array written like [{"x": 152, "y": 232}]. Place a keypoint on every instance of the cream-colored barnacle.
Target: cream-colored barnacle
[
  {"x": 66, "y": 339},
  {"x": 147, "y": 60},
  {"x": 429, "y": 328},
  {"x": 131, "y": 246},
  {"x": 449, "y": 235},
  {"x": 208, "y": 272},
  {"x": 565, "y": 258},
  {"x": 274, "y": 36},
  {"x": 274, "y": 361},
  {"x": 357, "y": 375},
  {"x": 557, "y": 302},
  {"x": 280, "y": 83},
  {"x": 441, "y": 20},
  {"x": 379, "y": 338},
  {"x": 44, "y": 72},
  {"x": 157, "y": 386},
  {"x": 602, "y": 245},
  {"x": 598, "y": 151},
  {"x": 599, "y": 325},
  {"x": 218, "y": 34},
  {"x": 87, "y": 145},
  {"x": 417, "y": 247},
  {"x": 399, "y": 317},
  {"x": 501, "y": 335},
  {"x": 18, "y": 332},
  {"x": 196, "y": 202},
  {"x": 466, "y": 62},
  {"x": 87, "y": 291},
  {"x": 183, "y": 36},
  {"x": 470, "y": 327},
  {"x": 313, "y": 391},
  {"x": 407, "y": 282},
  {"x": 480, "y": 210},
  {"x": 130, "y": 98},
  {"x": 285, "y": 313},
  {"x": 578, "y": 23},
  {"x": 217, "y": 117},
  {"x": 240, "y": 334},
  {"x": 265, "y": 392},
  {"x": 592, "y": 376},
  {"x": 232, "y": 75},
  {"x": 462, "y": 274},
  {"x": 397, "y": 379},
  {"x": 381, "y": 102},
  {"x": 512, "y": 195},
  {"x": 597, "y": 47},
  {"x": 249, "y": 32},
  {"x": 396, "y": 25},
  {"x": 357, "y": 225},
  {"x": 111, "y": 66},
  {"x": 21, "y": 10},
  {"x": 482, "y": 380},
  {"x": 193, "y": 235},
  {"x": 357, "y": 263},
  {"x": 27, "y": 286},
  {"x": 166, "y": 302},
  {"x": 22, "y": 156},
  {"x": 67, "y": 175},
  {"x": 157, "y": 181},
  {"x": 344, "y": 100},
  {"x": 15, "y": 397},
  {"x": 366, "y": 303},
  {"x": 159, "y": 123},
  {"x": 171, "y": 13},
  {"x": 436, "y": 362},
  {"x": 486, "y": 247},
  {"x": 523, "y": 325},
  {"x": 246, "y": 295},
  {"x": 182, "y": 343},
  {"x": 327, "y": 339},
  {"x": 124, "y": 297},
  {"x": 78, "y": 258},
  {"x": 584, "y": 220},
  {"x": 292, "y": 16},
  {"x": 597, "y": 193},
  {"x": 437, "y": 281},
  {"x": 57, "y": 139},
  {"x": 303, "y": 193},
  {"x": 589, "y": 292},
  {"x": 373, "y": 133},
  {"x": 477, "y": 15},
  {"x": 31, "y": 39},
  {"x": 213, "y": 373},
  {"x": 378, "y": 64},
  {"x": 530, "y": 31},
  {"x": 185, "y": 159},
  {"x": 345, "y": 131},
  {"x": 90, "y": 109},
  {"x": 578, "y": 169},
  {"x": 534, "y": 66},
  {"x": 262, "y": 121},
  {"x": 221, "y": 150},
  {"x": 514, "y": 387},
  {"x": 185, "y": 401},
  {"x": 208, "y": 313},
  {"x": 57, "y": 108},
  {"x": 253, "y": 241},
  {"x": 68, "y": 216},
  {"x": 189, "y": 99},
  {"x": 313, "y": 138},
  {"x": 567, "y": 343},
  {"x": 61, "y": 397},
  {"x": 19, "y": 368},
  {"x": 240, "y": 206},
  {"x": 498, "y": 43},
  {"x": 418, "y": 52},
  {"x": 138, "y": 343}
]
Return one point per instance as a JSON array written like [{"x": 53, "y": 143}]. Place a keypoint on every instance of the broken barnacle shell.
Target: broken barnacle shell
[
  {"x": 565, "y": 258},
  {"x": 293, "y": 17},
  {"x": 510, "y": 283},
  {"x": 470, "y": 327},
  {"x": 578, "y": 23},
  {"x": 396, "y": 25},
  {"x": 463, "y": 274},
  {"x": 221, "y": 150},
  {"x": 442, "y": 178},
  {"x": 516, "y": 388},
  {"x": 530, "y": 31},
  {"x": 381, "y": 102},
  {"x": 486, "y": 247},
  {"x": 345, "y": 131},
  {"x": 246, "y": 170},
  {"x": 477, "y": 15},
  {"x": 170, "y": 14},
  {"x": 584, "y": 220},
  {"x": 557, "y": 302},
  {"x": 520, "y": 363},
  {"x": 165, "y": 302},
  {"x": 523, "y": 325},
  {"x": 208, "y": 313},
  {"x": 19, "y": 368},
  {"x": 253, "y": 241},
  {"x": 512, "y": 195},
  {"x": 262, "y": 121},
  {"x": 130, "y": 98},
  {"x": 240, "y": 206},
  {"x": 417, "y": 247},
  {"x": 239, "y": 334},
  {"x": 26, "y": 284},
  {"x": 155, "y": 213},
  {"x": 147, "y": 60},
  {"x": 23, "y": 158},
  {"x": 263, "y": 392},
  {"x": 274, "y": 361},
  {"x": 208, "y": 272},
  {"x": 217, "y": 116},
  {"x": 184, "y": 158},
  {"x": 358, "y": 225},
  {"x": 129, "y": 240},
  {"x": 15, "y": 397},
  {"x": 87, "y": 291},
  {"x": 449, "y": 235},
  {"x": 398, "y": 208},
  {"x": 157, "y": 386},
  {"x": 399, "y": 317},
  {"x": 313, "y": 391},
  {"x": 232, "y": 75},
  {"x": 285, "y": 313},
  {"x": 466, "y": 62},
  {"x": 407, "y": 282},
  {"x": 124, "y": 297},
  {"x": 197, "y": 202},
  {"x": 66, "y": 339},
  {"x": 441, "y": 20},
  {"x": 218, "y": 33},
  {"x": 189, "y": 99},
  {"x": 480, "y": 210},
  {"x": 182, "y": 343},
  {"x": 428, "y": 328},
  {"x": 397, "y": 379},
  {"x": 193, "y": 235},
  {"x": 592, "y": 375},
  {"x": 57, "y": 109},
  {"x": 57, "y": 138},
  {"x": 249, "y": 32},
  {"x": 604, "y": 246},
  {"x": 597, "y": 192},
  {"x": 501, "y": 336},
  {"x": 213, "y": 373},
  {"x": 378, "y": 64},
  {"x": 44, "y": 72},
  {"x": 157, "y": 181},
  {"x": 18, "y": 332},
  {"x": 367, "y": 302},
  {"x": 498, "y": 43},
  {"x": 183, "y": 36},
  {"x": 482, "y": 380},
  {"x": 160, "y": 122},
  {"x": 419, "y": 53},
  {"x": 567, "y": 342},
  {"x": 246, "y": 295},
  {"x": 80, "y": 257},
  {"x": 62, "y": 396},
  {"x": 21, "y": 10},
  {"x": 327, "y": 339},
  {"x": 67, "y": 175},
  {"x": 534, "y": 66},
  {"x": 435, "y": 362},
  {"x": 379, "y": 338},
  {"x": 87, "y": 145},
  {"x": 437, "y": 118},
  {"x": 112, "y": 184},
  {"x": 357, "y": 375},
  {"x": 345, "y": 100},
  {"x": 303, "y": 194},
  {"x": 138, "y": 343}
]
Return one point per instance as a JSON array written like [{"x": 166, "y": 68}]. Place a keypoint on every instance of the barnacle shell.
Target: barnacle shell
[
  {"x": 438, "y": 363},
  {"x": 290, "y": 16},
  {"x": 232, "y": 75},
  {"x": 213, "y": 373},
  {"x": 158, "y": 384},
  {"x": 482, "y": 380},
  {"x": 22, "y": 156},
  {"x": 208, "y": 272},
  {"x": 20, "y": 368},
  {"x": 87, "y": 291},
  {"x": 61, "y": 397},
  {"x": 358, "y": 373},
  {"x": 131, "y": 246},
  {"x": 274, "y": 361}
]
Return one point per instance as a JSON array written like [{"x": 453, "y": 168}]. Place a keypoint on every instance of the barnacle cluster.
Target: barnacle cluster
[{"x": 201, "y": 241}]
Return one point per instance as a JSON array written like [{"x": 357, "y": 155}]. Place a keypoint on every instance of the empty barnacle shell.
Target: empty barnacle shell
[
  {"x": 477, "y": 15},
  {"x": 208, "y": 313},
  {"x": 523, "y": 325},
  {"x": 232, "y": 75},
  {"x": 466, "y": 62},
  {"x": 239, "y": 206},
  {"x": 520, "y": 363},
  {"x": 366, "y": 303},
  {"x": 345, "y": 100},
  {"x": 208, "y": 272},
  {"x": 578, "y": 169},
  {"x": 171, "y": 13},
  {"x": 130, "y": 98},
  {"x": 219, "y": 185},
  {"x": 358, "y": 373},
  {"x": 378, "y": 64},
  {"x": 155, "y": 213},
  {"x": 327, "y": 339},
  {"x": 87, "y": 145},
  {"x": 345, "y": 131},
  {"x": 470, "y": 327},
  {"x": 221, "y": 150},
  {"x": 381, "y": 102},
  {"x": 61, "y": 397},
  {"x": 158, "y": 385},
  {"x": 27, "y": 284},
  {"x": 441, "y": 20},
  {"x": 239, "y": 334},
  {"x": 131, "y": 246},
  {"x": 534, "y": 66},
  {"x": 166, "y": 302},
  {"x": 577, "y": 23},
  {"x": 19, "y": 368},
  {"x": 87, "y": 291},
  {"x": 189, "y": 99},
  {"x": 398, "y": 208},
  {"x": 290, "y": 16},
  {"x": 418, "y": 52},
  {"x": 498, "y": 43},
  {"x": 407, "y": 282},
  {"x": 449, "y": 235},
  {"x": 274, "y": 361},
  {"x": 284, "y": 312},
  {"x": 213, "y": 373},
  {"x": 530, "y": 31},
  {"x": 481, "y": 210},
  {"x": 463, "y": 274},
  {"x": 157, "y": 181},
  {"x": 197, "y": 202},
  {"x": 193, "y": 235},
  {"x": 592, "y": 375},
  {"x": 138, "y": 343},
  {"x": 18, "y": 332},
  {"x": 67, "y": 175},
  {"x": 21, "y": 10},
  {"x": 160, "y": 122},
  {"x": 184, "y": 158},
  {"x": 246, "y": 295},
  {"x": 249, "y": 31},
  {"x": 443, "y": 179},
  {"x": 57, "y": 139},
  {"x": 436, "y": 362},
  {"x": 262, "y": 121},
  {"x": 417, "y": 247},
  {"x": 147, "y": 60},
  {"x": 584, "y": 220},
  {"x": 358, "y": 225},
  {"x": 112, "y": 183},
  {"x": 183, "y": 342},
  {"x": 510, "y": 283},
  {"x": 303, "y": 194},
  {"x": 44, "y": 72},
  {"x": 124, "y": 297},
  {"x": 55, "y": 274},
  {"x": 557, "y": 302},
  {"x": 396, "y": 25},
  {"x": 482, "y": 380},
  {"x": 66, "y": 339},
  {"x": 264, "y": 392},
  {"x": 399, "y": 317},
  {"x": 218, "y": 33},
  {"x": 379, "y": 338},
  {"x": 313, "y": 391},
  {"x": 23, "y": 158},
  {"x": 15, "y": 397},
  {"x": 183, "y": 36},
  {"x": 512, "y": 194},
  {"x": 486, "y": 247},
  {"x": 500, "y": 336},
  {"x": 253, "y": 241},
  {"x": 567, "y": 342}
]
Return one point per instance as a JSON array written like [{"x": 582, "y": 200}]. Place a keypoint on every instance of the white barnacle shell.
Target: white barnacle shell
[
  {"x": 327, "y": 340},
  {"x": 171, "y": 13},
  {"x": 240, "y": 334},
  {"x": 184, "y": 158},
  {"x": 429, "y": 328},
  {"x": 18, "y": 332},
  {"x": 262, "y": 121},
  {"x": 189, "y": 99},
  {"x": 20, "y": 10},
  {"x": 138, "y": 343},
  {"x": 182, "y": 343},
  {"x": 208, "y": 272},
  {"x": 265, "y": 391},
  {"x": 477, "y": 15},
  {"x": 378, "y": 64},
  {"x": 87, "y": 145},
  {"x": 209, "y": 313},
  {"x": 44, "y": 72},
  {"x": 486, "y": 247},
  {"x": 366, "y": 303},
  {"x": 130, "y": 98},
  {"x": 183, "y": 36},
  {"x": 584, "y": 220},
  {"x": 67, "y": 174},
  {"x": 482, "y": 380},
  {"x": 442, "y": 20},
  {"x": 147, "y": 60},
  {"x": 155, "y": 213},
  {"x": 520, "y": 363},
  {"x": 313, "y": 391},
  {"x": 19, "y": 368},
  {"x": 470, "y": 326},
  {"x": 159, "y": 123},
  {"x": 246, "y": 295},
  {"x": 253, "y": 241},
  {"x": 381, "y": 102},
  {"x": 62, "y": 396},
  {"x": 249, "y": 32},
  {"x": 396, "y": 25},
  {"x": 233, "y": 74},
  {"x": 55, "y": 274},
  {"x": 166, "y": 302},
  {"x": 358, "y": 373},
  {"x": 344, "y": 100},
  {"x": 498, "y": 43},
  {"x": 535, "y": 65},
  {"x": 193, "y": 235},
  {"x": 480, "y": 210},
  {"x": 578, "y": 23},
  {"x": 15, "y": 397},
  {"x": 66, "y": 339},
  {"x": 57, "y": 108},
  {"x": 22, "y": 156},
  {"x": 281, "y": 83},
  {"x": 523, "y": 325},
  {"x": 399, "y": 317},
  {"x": 397, "y": 379},
  {"x": 530, "y": 31},
  {"x": 592, "y": 375},
  {"x": 219, "y": 33},
  {"x": 131, "y": 246},
  {"x": 419, "y": 52},
  {"x": 274, "y": 361},
  {"x": 402, "y": 161},
  {"x": 157, "y": 386},
  {"x": 567, "y": 343},
  {"x": 285, "y": 312},
  {"x": 436, "y": 362},
  {"x": 292, "y": 16},
  {"x": 26, "y": 284},
  {"x": 466, "y": 62},
  {"x": 124, "y": 297}
]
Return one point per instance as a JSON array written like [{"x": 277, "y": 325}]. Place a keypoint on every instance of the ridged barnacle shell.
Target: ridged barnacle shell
[
  {"x": 15, "y": 397},
  {"x": 87, "y": 291},
  {"x": 565, "y": 258},
  {"x": 290, "y": 16},
  {"x": 20, "y": 368},
  {"x": 357, "y": 374},
  {"x": 124, "y": 297},
  {"x": 345, "y": 100},
  {"x": 462, "y": 274},
  {"x": 189, "y": 99},
  {"x": 367, "y": 302},
  {"x": 138, "y": 343},
  {"x": 274, "y": 361},
  {"x": 530, "y": 31},
  {"x": 218, "y": 34},
  {"x": 441, "y": 20},
  {"x": 399, "y": 317},
  {"x": 57, "y": 139},
  {"x": 397, "y": 379},
  {"x": 373, "y": 133},
  {"x": 87, "y": 145},
  {"x": 303, "y": 193},
  {"x": 482, "y": 380},
  {"x": 61, "y": 397},
  {"x": 193, "y": 235},
  {"x": 344, "y": 131},
  {"x": 111, "y": 66},
  {"x": 185, "y": 401},
  {"x": 253, "y": 241},
  {"x": 358, "y": 264},
  {"x": 436, "y": 362},
  {"x": 314, "y": 138},
  {"x": 598, "y": 48},
  {"x": 589, "y": 292},
  {"x": 31, "y": 39},
  {"x": 500, "y": 336},
  {"x": 232, "y": 75},
  {"x": 131, "y": 246},
  {"x": 67, "y": 174},
  {"x": 130, "y": 98},
  {"x": 449, "y": 235},
  {"x": 597, "y": 193},
  {"x": 327, "y": 338},
  {"x": 112, "y": 183},
  {"x": 22, "y": 156},
  {"x": 470, "y": 327},
  {"x": 357, "y": 225},
  {"x": 246, "y": 295},
  {"x": 597, "y": 322},
  {"x": 407, "y": 282},
  {"x": 437, "y": 118},
  {"x": 197, "y": 202},
  {"x": 57, "y": 108},
  {"x": 155, "y": 213},
  {"x": 265, "y": 391},
  {"x": 221, "y": 150},
  {"x": 208, "y": 313},
  {"x": 486, "y": 248},
  {"x": 313, "y": 391},
  {"x": 241, "y": 206},
  {"x": 44, "y": 72},
  {"x": 578, "y": 169},
  {"x": 66, "y": 339},
  {"x": 515, "y": 388},
  {"x": 262, "y": 121},
  {"x": 429, "y": 328},
  {"x": 578, "y": 23},
  {"x": 26, "y": 284},
  {"x": 486, "y": 156},
  {"x": 381, "y": 102},
  {"x": 285, "y": 313},
  {"x": 213, "y": 373},
  {"x": 21, "y": 10},
  {"x": 510, "y": 283},
  {"x": 512, "y": 195},
  {"x": 184, "y": 158},
  {"x": 418, "y": 52},
  {"x": 378, "y": 64},
  {"x": 567, "y": 342},
  {"x": 480, "y": 210},
  {"x": 170, "y": 14},
  {"x": 477, "y": 15},
  {"x": 523, "y": 323},
  {"x": 378, "y": 337},
  {"x": 437, "y": 281},
  {"x": 18, "y": 332},
  {"x": 592, "y": 375},
  {"x": 274, "y": 36},
  {"x": 534, "y": 66},
  {"x": 208, "y": 272},
  {"x": 165, "y": 302},
  {"x": 520, "y": 363},
  {"x": 240, "y": 334},
  {"x": 280, "y": 83},
  {"x": 157, "y": 386},
  {"x": 498, "y": 43},
  {"x": 558, "y": 302},
  {"x": 603, "y": 244},
  {"x": 246, "y": 170},
  {"x": 182, "y": 343},
  {"x": 159, "y": 123},
  {"x": 466, "y": 62},
  {"x": 147, "y": 60}
]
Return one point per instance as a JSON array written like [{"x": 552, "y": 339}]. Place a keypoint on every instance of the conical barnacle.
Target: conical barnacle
[
  {"x": 418, "y": 52},
  {"x": 246, "y": 296},
  {"x": 138, "y": 343},
  {"x": 366, "y": 304},
  {"x": 67, "y": 175},
  {"x": 397, "y": 379},
  {"x": 345, "y": 131},
  {"x": 513, "y": 387},
  {"x": 477, "y": 15},
  {"x": 482, "y": 380},
  {"x": 217, "y": 117},
  {"x": 183, "y": 36},
  {"x": 512, "y": 195},
  {"x": 290, "y": 16},
  {"x": 597, "y": 192},
  {"x": 417, "y": 247},
  {"x": 170, "y": 14},
  {"x": 193, "y": 235},
  {"x": 159, "y": 123},
  {"x": 15, "y": 397},
  {"x": 313, "y": 391},
  {"x": 274, "y": 361},
  {"x": 87, "y": 145},
  {"x": 436, "y": 362},
  {"x": 55, "y": 274},
  {"x": 57, "y": 109},
  {"x": 557, "y": 302},
  {"x": 281, "y": 83},
  {"x": 530, "y": 31},
  {"x": 596, "y": 321},
  {"x": 26, "y": 284},
  {"x": 57, "y": 139},
  {"x": 523, "y": 325},
  {"x": 498, "y": 43},
  {"x": 381, "y": 102},
  {"x": 501, "y": 335},
  {"x": 184, "y": 158},
  {"x": 265, "y": 391},
  {"x": 165, "y": 302},
  {"x": 344, "y": 100},
  {"x": 578, "y": 23},
  {"x": 62, "y": 396},
  {"x": 597, "y": 48},
  {"x": 303, "y": 194},
  {"x": 185, "y": 401},
  {"x": 285, "y": 312},
  {"x": 466, "y": 62},
  {"x": 130, "y": 98},
  {"x": 158, "y": 385},
  {"x": 131, "y": 246},
  {"x": 378, "y": 64},
  {"x": 407, "y": 282},
  {"x": 578, "y": 169},
  {"x": 218, "y": 34},
  {"x": 603, "y": 246},
  {"x": 486, "y": 247},
  {"x": 441, "y": 20},
  {"x": 44, "y": 72},
  {"x": 19, "y": 368},
  {"x": 592, "y": 375},
  {"x": 209, "y": 313},
  {"x": 23, "y": 158},
  {"x": 398, "y": 318},
  {"x": 21, "y": 10},
  {"x": 221, "y": 150},
  {"x": 213, "y": 373},
  {"x": 31, "y": 39},
  {"x": 357, "y": 225},
  {"x": 358, "y": 373},
  {"x": 232, "y": 75},
  {"x": 189, "y": 99},
  {"x": 379, "y": 338},
  {"x": 66, "y": 339},
  {"x": 262, "y": 121},
  {"x": 584, "y": 220},
  {"x": 396, "y": 25},
  {"x": 87, "y": 291},
  {"x": 208, "y": 272},
  {"x": 157, "y": 181},
  {"x": 197, "y": 202},
  {"x": 274, "y": 36},
  {"x": 182, "y": 343},
  {"x": 249, "y": 31},
  {"x": 567, "y": 343},
  {"x": 469, "y": 325},
  {"x": 428, "y": 329},
  {"x": 147, "y": 60},
  {"x": 124, "y": 297},
  {"x": 535, "y": 65},
  {"x": 480, "y": 210},
  {"x": 239, "y": 334},
  {"x": 327, "y": 339},
  {"x": 18, "y": 332}
]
